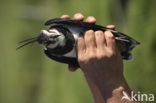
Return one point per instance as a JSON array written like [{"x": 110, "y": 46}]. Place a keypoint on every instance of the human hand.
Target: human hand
[
  {"x": 98, "y": 50},
  {"x": 101, "y": 63},
  {"x": 99, "y": 47},
  {"x": 80, "y": 17},
  {"x": 99, "y": 57}
]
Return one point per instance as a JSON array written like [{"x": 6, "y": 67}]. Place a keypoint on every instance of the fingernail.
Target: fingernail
[
  {"x": 91, "y": 19},
  {"x": 111, "y": 26},
  {"x": 78, "y": 15},
  {"x": 65, "y": 16}
]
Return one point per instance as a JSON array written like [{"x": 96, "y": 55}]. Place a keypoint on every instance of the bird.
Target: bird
[{"x": 61, "y": 38}]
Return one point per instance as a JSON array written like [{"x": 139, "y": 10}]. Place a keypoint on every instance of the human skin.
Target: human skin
[{"x": 101, "y": 63}]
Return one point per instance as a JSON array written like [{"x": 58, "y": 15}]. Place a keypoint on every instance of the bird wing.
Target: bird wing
[{"x": 125, "y": 43}]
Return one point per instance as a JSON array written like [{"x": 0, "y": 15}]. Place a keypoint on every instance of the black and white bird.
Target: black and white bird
[{"x": 60, "y": 40}]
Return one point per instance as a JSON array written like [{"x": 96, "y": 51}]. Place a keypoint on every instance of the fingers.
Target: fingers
[
  {"x": 91, "y": 19},
  {"x": 111, "y": 27},
  {"x": 65, "y": 17},
  {"x": 78, "y": 17},
  {"x": 110, "y": 40},
  {"x": 90, "y": 40},
  {"x": 90, "y": 35},
  {"x": 100, "y": 39},
  {"x": 81, "y": 47},
  {"x": 72, "y": 68}
]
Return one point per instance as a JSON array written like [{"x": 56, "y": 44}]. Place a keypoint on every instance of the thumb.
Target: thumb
[{"x": 72, "y": 68}]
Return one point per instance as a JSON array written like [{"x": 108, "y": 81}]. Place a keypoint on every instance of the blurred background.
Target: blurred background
[{"x": 28, "y": 76}]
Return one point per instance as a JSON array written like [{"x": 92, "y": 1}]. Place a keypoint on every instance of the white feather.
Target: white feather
[
  {"x": 72, "y": 53},
  {"x": 61, "y": 39}
]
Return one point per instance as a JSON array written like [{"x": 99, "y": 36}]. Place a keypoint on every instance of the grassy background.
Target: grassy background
[{"x": 28, "y": 76}]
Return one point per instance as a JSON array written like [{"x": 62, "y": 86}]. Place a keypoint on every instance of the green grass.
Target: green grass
[{"x": 28, "y": 76}]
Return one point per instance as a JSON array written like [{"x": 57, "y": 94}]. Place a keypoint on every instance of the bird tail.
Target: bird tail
[{"x": 125, "y": 44}]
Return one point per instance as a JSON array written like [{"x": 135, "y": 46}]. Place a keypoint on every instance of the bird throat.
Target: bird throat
[{"x": 65, "y": 43}]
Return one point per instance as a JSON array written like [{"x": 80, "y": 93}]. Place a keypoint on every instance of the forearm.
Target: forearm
[
  {"x": 95, "y": 91},
  {"x": 110, "y": 92}
]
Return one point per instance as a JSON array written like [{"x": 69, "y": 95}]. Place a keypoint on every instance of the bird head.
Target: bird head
[{"x": 51, "y": 38}]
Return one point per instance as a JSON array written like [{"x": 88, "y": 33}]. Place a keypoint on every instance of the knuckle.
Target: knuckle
[
  {"x": 81, "y": 60},
  {"x": 101, "y": 56},
  {"x": 99, "y": 32},
  {"x": 101, "y": 53},
  {"x": 89, "y": 32},
  {"x": 109, "y": 35},
  {"x": 91, "y": 56},
  {"x": 111, "y": 53}
]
